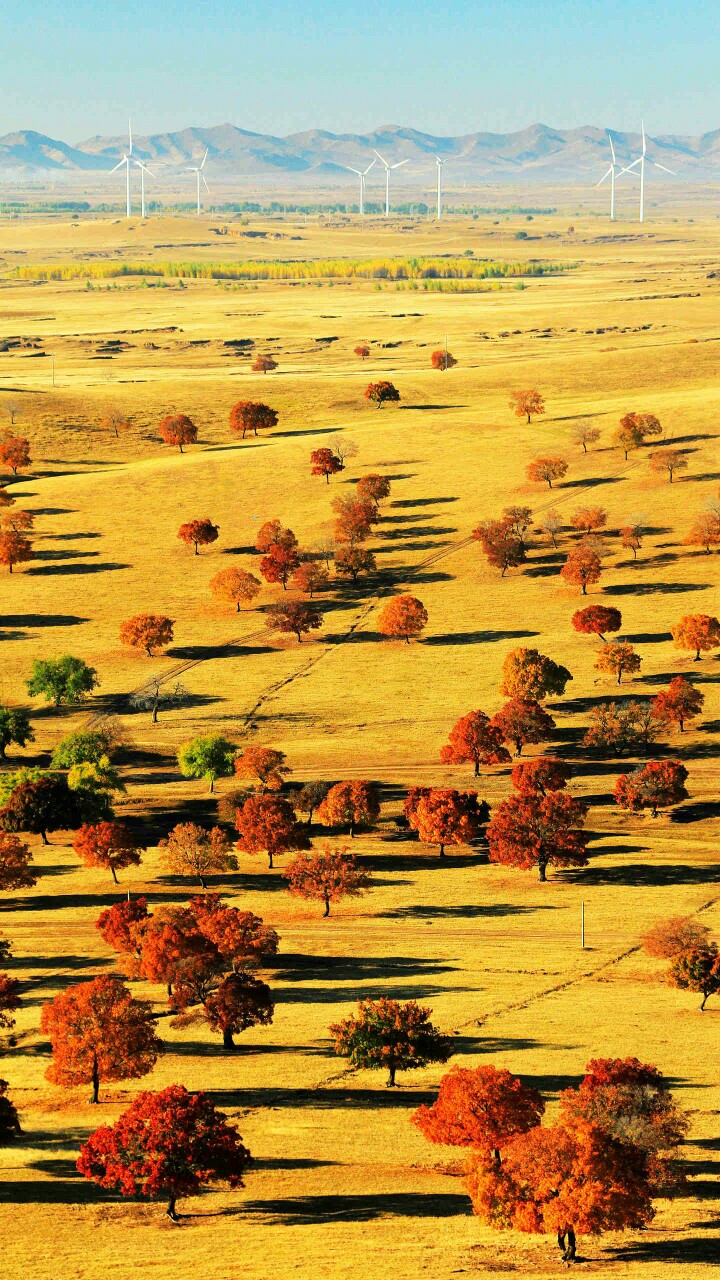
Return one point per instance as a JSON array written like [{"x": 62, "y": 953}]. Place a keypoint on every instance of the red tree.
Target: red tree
[
  {"x": 482, "y": 1108},
  {"x": 15, "y": 548},
  {"x": 582, "y": 567},
  {"x": 402, "y": 617},
  {"x": 381, "y": 393},
  {"x": 328, "y": 876},
  {"x": 109, "y": 845},
  {"x": 523, "y": 722},
  {"x": 475, "y": 739},
  {"x": 669, "y": 938},
  {"x": 198, "y": 533},
  {"x": 355, "y": 517},
  {"x": 147, "y": 631},
  {"x": 373, "y": 488},
  {"x": 265, "y": 765},
  {"x": 294, "y": 618},
  {"x": 442, "y": 359},
  {"x": 323, "y": 462},
  {"x": 177, "y": 429},
  {"x": 240, "y": 1002},
  {"x": 350, "y": 804},
  {"x": 443, "y": 816},
  {"x": 597, "y": 619},
  {"x": 264, "y": 364},
  {"x": 14, "y": 452},
  {"x": 279, "y": 563},
  {"x": 537, "y": 777},
  {"x": 657, "y": 785},
  {"x": 681, "y": 701},
  {"x": 272, "y": 533},
  {"x": 547, "y": 469},
  {"x": 121, "y": 926},
  {"x": 251, "y": 415},
  {"x": 268, "y": 824},
  {"x": 503, "y": 548},
  {"x": 15, "y": 859},
  {"x": 362, "y": 351},
  {"x": 166, "y": 1144},
  {"x": 242, "y": 939},
  {"x": 530, "y": 830},
  {"x": 98, "y": 1031}
]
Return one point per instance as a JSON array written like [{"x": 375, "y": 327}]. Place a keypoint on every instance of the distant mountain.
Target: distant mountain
[{"x": 538, "y": 153}]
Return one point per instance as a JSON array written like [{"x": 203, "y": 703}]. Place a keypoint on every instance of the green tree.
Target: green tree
[
  {"x": 208, "y": 757},
  {"x": 14, "y": 727},
  {"x": 386, "y": 1033},
  {"x": 84, "y": 747},
  {"x": 59, "y": 680}
]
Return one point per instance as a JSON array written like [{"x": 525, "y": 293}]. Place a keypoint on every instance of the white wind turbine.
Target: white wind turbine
[
  {"x": 642, "y": 160},
  {"x": 143, "y": 170},
  {"x": 612, "y": 173},
  {"x": 198, "y": 171},
  {"x": 126, "y": 161},
  {"x": 388, "y": 167},
  {"x": 362, "y": 174},
  {"x": 439, "y": 164}
]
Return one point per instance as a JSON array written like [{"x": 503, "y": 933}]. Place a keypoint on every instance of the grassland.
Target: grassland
[{"x": 343, "y": 1185}]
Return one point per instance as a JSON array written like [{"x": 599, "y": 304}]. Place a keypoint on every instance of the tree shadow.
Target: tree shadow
[
  {"x": 642, "y": 875},
  {"x": 333, "y": 1099},
  {"x": 692, "y": 1252},
  {"x": 420, "y": 502},
  {"x": 478, "y": 637},
  {"x": 54, "y": 569},
  {"x": 64, "y": 555},
  {"x": 489, "y": 912},
  {"x": 308, "y": 1210},
  {"x": 206, "y": 652},
  {"x": 654, "y": 588},
  {"x": 696, "y": 812},
  {"x": 646, "y": 637},
  {"x": 590, "y": 483},
  {"x": 41, "y": 620}
]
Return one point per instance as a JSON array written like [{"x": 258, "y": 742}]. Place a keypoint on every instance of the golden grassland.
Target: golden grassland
[{"x": 342, "y": 1184}]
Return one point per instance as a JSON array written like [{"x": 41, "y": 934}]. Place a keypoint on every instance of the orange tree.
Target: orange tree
[
  {"x": 107, "y": 844},
  {"x": 616, "y": 659},
  {"x": 596, "y": 619},
  {"x": 264, "y": 364},
  {"x": 474, "y": 739},
  {"x": 310, "y": 577},
  {"x": 443, "y": 816},
  {"x": 391, "y": 1035},
  {"x": 698, "y": 631},
  {"x": 681, "y": 701},
  {"x": 529, "y": 830},
  {"x": 657, "y": 785},
  {"x": 15, "y": 859},
  {"x": 381, "y": 393},
  {"x": 350, "y": 804},
  {"x": 543, "y": 774},
  {"x": 441, "y": 359},
  {"x": 15, "y": 548},
  {"x": 582, "y": 566},
  {"x": 373, "y": 488},
  {"x": 272, "y": 533},
  {"x": 294, "y": 618},
  {"x": 191, "y": 850},
  {"x": 251, "y": 415},
  {"x": 268, "y": 824},
  {"x": 279, "y": 562},
  {"x": 547, "y": 469},
  {"x": 523, "y": 721},
  {"x": 527, "y": 403},
  {"x": 198, "y": 533},
  {"x": 264, "y": 765},
  {"x": 323, "y": 462},
  {"x": 236, "y": 586},
  {"x": 481, "y": 1107},
  {"x": 178, "y": 430},
  {"x": 327, "y": 876},
  {"x": 148, "y": 631},
  {"x": 402, "y": 617},
  {"x": 531, "y": 676},
  {"x": 503, "y": 548},
  {"x": 239, "y": 1002}
]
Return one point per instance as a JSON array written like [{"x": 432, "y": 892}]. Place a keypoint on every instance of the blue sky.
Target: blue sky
[{"x": 72, "y": 68}]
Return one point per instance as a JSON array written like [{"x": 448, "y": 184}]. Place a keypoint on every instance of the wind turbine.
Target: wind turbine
[
  {"x": 143, "y": 170},
  {"x": 126, "y": 161},
  {"x": 612, "y": 173},
  {"x": 642, "y": 160},
  {"x": 198, "y": 171},
  {"x": 362, "y": 174},
  {"x": 388, "y": 167},
  {"x": 439, "y": 164}
]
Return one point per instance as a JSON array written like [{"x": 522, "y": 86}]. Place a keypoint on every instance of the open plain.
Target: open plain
[{"x": 342, "y": 1184}]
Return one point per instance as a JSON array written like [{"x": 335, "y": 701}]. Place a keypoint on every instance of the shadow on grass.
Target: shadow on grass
[
  {"x": 478, "y": 637},
  {"x": 306, "y": 1210},
  {"x": 53, "y": 569},
  {"x": 490, "y": 912},
  {"x": 41, "y": 620}
]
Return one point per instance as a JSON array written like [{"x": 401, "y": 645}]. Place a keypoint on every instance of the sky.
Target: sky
[{"x": 75, "y": 68}]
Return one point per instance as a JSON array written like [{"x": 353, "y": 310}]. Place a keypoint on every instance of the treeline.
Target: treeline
[
  {"x": 464, "y": 268},
  {"x": 45, "y": 206}
]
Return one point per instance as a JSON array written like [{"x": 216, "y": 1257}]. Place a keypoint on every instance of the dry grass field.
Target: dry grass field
[{"x": 342, "y": 1184}]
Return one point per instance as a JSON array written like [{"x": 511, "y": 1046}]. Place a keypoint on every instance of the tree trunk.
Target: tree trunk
[
  {"x": 169, "y": 988},
  {"x": 238, "y": 607},
  {"x": 442, "y": 849},
  {"x": 114, "y": 873},
  {"x": 326, "y": 912},
  {"x": 228, "y": 1042},
  {"x": 407, "y": 639},
  {"x": 11, "y": 566},
  {"x": 697, "y": 656},
  {"x": 477, "y": 768},
  {"x": 682, "y": 725},
  {"x": 43, "y": 835},
  {"x": 95, "y": 1078},
  {"x": 270, "y": 860},
  {"x": 171, "y": 1210},
  {"x": 619, "y": 676},
  {"x": 202, "y": 882},
  {"x": 584, "y": 588},
  {"x": 391, "y": 1077},
  {"x": 180, "y": 448},
  {"x": 496, "y": 1156},
  {"x": 705, "y": 995},
  {"x": 566, "y": 1242},
  {"x": 542, "y": 867},
  {"x": 212, "y": 785},
  {"x": 196, "y": 549},
  {"x": 327, "y": 477}
]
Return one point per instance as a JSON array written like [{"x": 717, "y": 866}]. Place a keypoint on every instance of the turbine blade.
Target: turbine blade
[
  {"x": 118, "y": 166},
  {"x": 664, "y": 168},
  {"x": 130, "y": 137},
  {"x": 387, "y": 166},
  {"x": 369, "y": 167},
  {"x": 629, "y": 168},
  {"x": 351, "y": 170},
  {"x": 202, "y": 164},
  {"x": 604, "y": 177},
  {"x": 644, "y": 150},
  {"x": 612, "y": 149},
  {"x": 202, "y": 175},
  {"x": 399, "y": 162}
]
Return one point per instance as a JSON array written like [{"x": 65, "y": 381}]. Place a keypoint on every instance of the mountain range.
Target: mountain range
[{"x": 539, "y": 153}]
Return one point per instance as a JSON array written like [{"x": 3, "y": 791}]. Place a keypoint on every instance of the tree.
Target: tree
[
  {"x": 615, "y": 659},
  {"x": 323, "y": 462},
  {"x": 670, "y": 938},
  {"x": 9, "y": 1120},
  {"x": 251, "y": 415},
  {"x": 109, "y": 845},
  {"x": 327, "y": 876},
  {"x": 597, "y": 619},
  {"x": 697, "y": 631},
  {"x": 354, "y": 518},
  {"x": 518, "y": 519},
  {"x": 148, "y": 631},
  {"x": 177, "y": 429},
  {"x": 562, "y": 1181},
  {"x": 210, "y": 757},
  {"x": 527, "y": 403},
  {"x": 631, "y": 536},
  {"x": 235, "y": 585},
  {"x": 65, "y": 679},
  {"x": 279, "y": 563},
  {"x": 116, "y": 422},
  {"x": 350, "y": 804},
  {"x": 589, "y": 519},
  {"x": 14, "y": 727},
  {"x": 681, "y": 701},
  {"x": 583, "y": 434},
  {"x": 294, "y": 618},
  {"x": 362, "y": 351},
  {"x": 351, "y": 561},
  {"x": 373, "y": 488},
  {"x": 191, "y": 850},
  {"x": 14, "y": 452},
  {"x": 552, "y": 523},
  {"x": 240, "y": 1002},
  {"x": 531, "y": 676},
  {"x": 175, "y": 951},
  {"x": 98, "y": 1032},
  {"x": 547, "y": 469},
  {"x": 582, "y": 566},
  {"x": 344, "y": 448},
  {"x": 46, "y": 804},
  {"x": 391, "y": 1035},
  {"x": 705, "y": 532},
  {"x": 86, "y": 746},
  {"x": 529, "y": 830},
  {"x": 648, "y": 424},
  {"x": 482, "y": 1108},
  {"x": 265, "y": 765},
  {"x": 122, "y": 925},
  {"x": 628, "y": 435},
  {"x": 442, "y": 359},
  {"x": 264, "y": 364},
  {"x": 443, "y": 816},
  {"x": 503, "y": 548},
  {"x": 272, "y": 534},
  {"x": 474, "y": 738},
  {"x": 381, "y": 393},
  {"x": 6, "y": 499},
  {"x": 242, "y": 940},
  {"x": 159, "y": 694},
  {"x": 619, "y": 727},
  {"x": 15, "y": 548},
  {"x": 670, "y": 460},
  {"x": 170, "y": 1144},
  {"x": 10, "y": 1001},
  {"x": 15, "y": 859},
  {"x": 656, "y": 785},
  {"x": 268, "y": 824},
  {"x": 310, "y": 577},
  {"x": 537, "y": 777},
  {"x": 523, "y": 721},
  {"x": 311, "y": 797},
  {"x": 402, "y": 617},
  {"x": 697, "y": 969},
  {"x": 198, "y": 533},
  {"x": 18, "y": 521}
]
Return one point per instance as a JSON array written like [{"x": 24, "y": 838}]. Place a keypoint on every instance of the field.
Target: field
[{"x": 342, "y": 1184}]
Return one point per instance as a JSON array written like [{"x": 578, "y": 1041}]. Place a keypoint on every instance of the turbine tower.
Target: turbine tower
[
  {"x": 612, "y": 173},
  {"x": 362, "y": 174},
  {"x": 642, "y": 160},
  {"x": 198, "y": 171},
  {"x": 439, "y": 164},
  {"x": 388, "y": 167},
  {"x": 126, "y": 161},
  {"x": 143, "y": 170}
]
